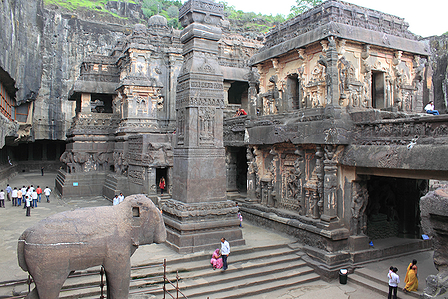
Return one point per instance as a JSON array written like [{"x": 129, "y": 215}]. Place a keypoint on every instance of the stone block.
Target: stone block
[{"x": 356, "y": 243}]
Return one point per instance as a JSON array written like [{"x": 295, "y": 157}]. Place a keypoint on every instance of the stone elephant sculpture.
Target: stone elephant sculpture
[{"x": 88, "y": 237}]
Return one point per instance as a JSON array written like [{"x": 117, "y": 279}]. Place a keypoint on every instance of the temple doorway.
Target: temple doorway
[
  {"x": 162, "y": 172},
  {"x": 236, "y": 164},
  {"x": 393, "y": 209}
]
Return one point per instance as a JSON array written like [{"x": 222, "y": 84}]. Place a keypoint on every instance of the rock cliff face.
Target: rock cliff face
[
  {"x": 42, "y": 47},
  {"x": 439, "y": 63},
  {"x": 21, "y": 26}
]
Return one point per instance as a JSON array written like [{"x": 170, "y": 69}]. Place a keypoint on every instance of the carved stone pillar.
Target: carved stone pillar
[
  {"x": 199, "y": 215},
  {"x": 85, "y": 103},
  {"x": 227, "y": 86},
  {"x": 332, "y": 79},
  {"x": 330, "y": 185},
  {"x": 231, "y": 168}
]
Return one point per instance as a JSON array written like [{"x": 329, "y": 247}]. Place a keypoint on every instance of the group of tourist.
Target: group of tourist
[
  {"x": 410, "y": 280},
  {"x": 118, "y": 199},
  {"x": 29, "y": 196}
]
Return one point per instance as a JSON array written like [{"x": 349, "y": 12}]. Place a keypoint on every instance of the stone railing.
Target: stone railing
[{"x": 400, "y": 130}]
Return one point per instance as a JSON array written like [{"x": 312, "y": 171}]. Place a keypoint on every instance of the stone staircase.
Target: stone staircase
[
  {"x": 363, "y": 278},
  {"x": 251, "y": 271}
]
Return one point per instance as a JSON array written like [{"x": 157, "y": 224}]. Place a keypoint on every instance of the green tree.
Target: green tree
[
  {"x": 173, "y": 11},
  {"x": 301, "y": 6}
]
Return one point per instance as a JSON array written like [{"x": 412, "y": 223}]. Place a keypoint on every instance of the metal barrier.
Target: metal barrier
[{"x": 160, "y": 282}]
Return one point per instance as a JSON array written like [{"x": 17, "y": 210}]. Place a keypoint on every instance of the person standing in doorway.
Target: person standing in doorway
[
  {"x": 162, "y": 185},
  {"x": 42, "y": 171},
  {"x": 394, "y": 280},
  {"x": 225, "y": 251}
]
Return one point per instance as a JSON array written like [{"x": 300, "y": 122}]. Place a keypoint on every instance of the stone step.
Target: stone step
[
  {"x": 197, "y": 263},
  {"x": 249, "y": 268},
  {"x": 252, "y": 280},
  {"x": 376, "y": 285},
  {"x": 250, "y": 287}
]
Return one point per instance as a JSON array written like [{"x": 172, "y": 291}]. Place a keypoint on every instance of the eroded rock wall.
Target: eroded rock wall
[
  {"x": 21, "y": 24},
  {"x": 439, "y": 65},
  {"x": 42, "y": 47}
]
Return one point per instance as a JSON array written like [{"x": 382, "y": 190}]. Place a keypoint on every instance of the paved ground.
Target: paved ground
[{"x": 13, "y": 222}]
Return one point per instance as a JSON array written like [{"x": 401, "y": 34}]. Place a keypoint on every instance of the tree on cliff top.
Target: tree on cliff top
[{"x": 302, "y": 6}]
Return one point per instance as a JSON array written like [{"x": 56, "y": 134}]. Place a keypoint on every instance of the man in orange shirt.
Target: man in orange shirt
[{"x": 39, "y": 192}]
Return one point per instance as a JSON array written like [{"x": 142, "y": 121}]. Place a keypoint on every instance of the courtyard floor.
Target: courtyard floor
[{"x": 13, "y": 222}]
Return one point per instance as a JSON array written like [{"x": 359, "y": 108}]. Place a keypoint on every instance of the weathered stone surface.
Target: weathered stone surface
[
  {"x": 434, "y": 213},
  {"x": 88, "y": 237}
]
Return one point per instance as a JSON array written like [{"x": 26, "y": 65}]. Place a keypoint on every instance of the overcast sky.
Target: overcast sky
[{"x": 425, "y": 18}]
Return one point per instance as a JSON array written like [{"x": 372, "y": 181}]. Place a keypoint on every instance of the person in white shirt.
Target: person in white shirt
[
  {"x": 23, "y": 195},
  {"x": 2, "y": 199},
  {"x": 47, "y": 192},
  {"x": 28, "y": 194},
  {"x": 115, "y": 201},
  {"x": 120, "y": 198},
  {"x": 14, "y": 196},
  {"x": 28, "y": 205},
  {"x": 34, "y": 197},
  {"x": 225, "y": 251},
  {"x": 394, "y": 280},
  {"x": 430, "y": 109}
]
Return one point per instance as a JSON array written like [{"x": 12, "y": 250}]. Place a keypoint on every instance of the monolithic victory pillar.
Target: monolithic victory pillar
[{"x": 198, "y": 214}]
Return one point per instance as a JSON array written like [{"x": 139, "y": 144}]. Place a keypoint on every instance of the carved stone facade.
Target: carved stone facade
[
  {"x": 133, "y": 91},
  {"x": 335, "y": 139}
]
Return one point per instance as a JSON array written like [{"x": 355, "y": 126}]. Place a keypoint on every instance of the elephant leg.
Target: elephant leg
[
  {"x": 118, "y": 277},
  {"x": 48, "y": 287}
]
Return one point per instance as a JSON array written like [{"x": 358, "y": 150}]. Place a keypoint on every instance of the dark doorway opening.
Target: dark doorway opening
[
  {"x": 293, "y": 91},
  {"x": 378, "y": 90},
  {"x": 393, "y": 209},
  {"x": 238, "y": 93},
  {"x": 162, "y": 172},
  {"x": 236, "y": 164}
]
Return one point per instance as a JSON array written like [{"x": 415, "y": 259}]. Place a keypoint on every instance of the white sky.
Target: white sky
[{"x": 425, "y": 18}]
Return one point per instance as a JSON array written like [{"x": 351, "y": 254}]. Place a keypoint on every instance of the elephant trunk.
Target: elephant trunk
[{"x": 160, "y": 231}]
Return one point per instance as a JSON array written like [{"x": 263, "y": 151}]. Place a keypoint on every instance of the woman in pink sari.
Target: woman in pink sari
[{"x": 216, "y": 261}]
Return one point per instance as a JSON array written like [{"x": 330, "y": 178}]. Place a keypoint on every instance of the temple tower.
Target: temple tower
[{"x": 198, "y": 214}]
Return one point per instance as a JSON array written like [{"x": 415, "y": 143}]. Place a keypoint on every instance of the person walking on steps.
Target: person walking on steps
[
  {"x": 394, "y": 280},
  {"x": 225, "y": 251}
]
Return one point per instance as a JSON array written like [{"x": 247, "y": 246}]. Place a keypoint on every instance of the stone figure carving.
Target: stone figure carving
[
  {"x": 84, "y": 238},
  {"x": 360, "y": 196},
  {"x": 294, "y": 183}
]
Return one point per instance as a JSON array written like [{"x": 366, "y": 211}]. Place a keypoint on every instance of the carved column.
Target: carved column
[
  {"x": 85, "y": 103},
  {"x": 199, "y": 215},
  {"x": 330, "y": 185},
  {"x": 332, "y": 96}
]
